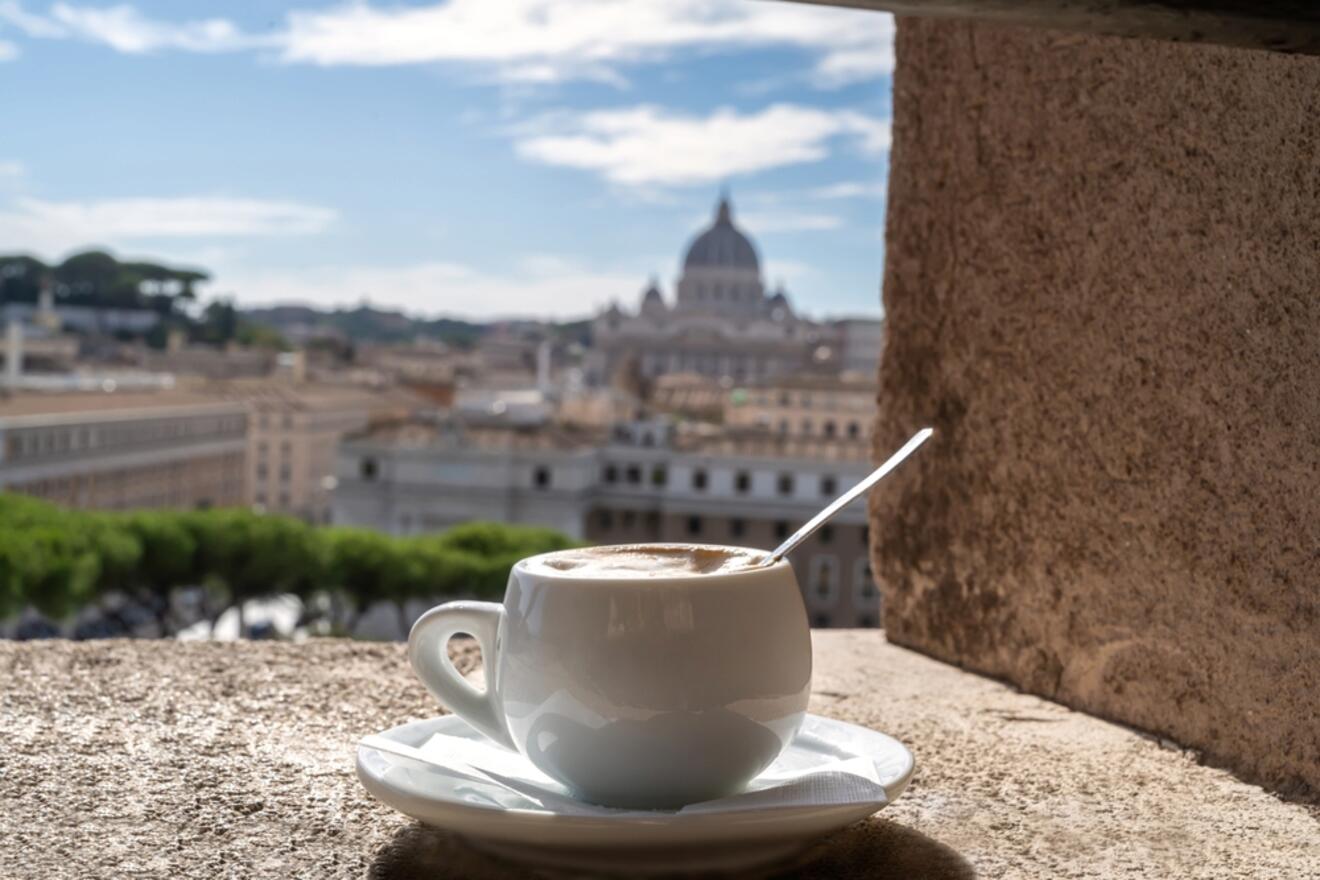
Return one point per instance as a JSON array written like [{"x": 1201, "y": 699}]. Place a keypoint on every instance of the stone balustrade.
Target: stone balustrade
[{"x": 217, "y": 760}]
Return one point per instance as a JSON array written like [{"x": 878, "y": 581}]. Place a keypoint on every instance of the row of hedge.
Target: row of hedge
[{"x": 59, "y": 560}]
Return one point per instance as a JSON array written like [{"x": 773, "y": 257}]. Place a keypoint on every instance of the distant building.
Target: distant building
[
  {"x": 294, "y": 429},
  {"x": 723, "y": 324},
  {"x": 806, "y": 405},
  {"x": 643, "y": 481},
  {"x": 123, "y": 450},
  {"x": 28, "y": 347},
  {"x": 231, "y": 361},
  {"x": 83, "y": 319}
]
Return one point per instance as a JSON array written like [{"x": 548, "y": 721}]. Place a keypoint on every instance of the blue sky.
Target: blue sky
[{"x": 471, "y": 158}]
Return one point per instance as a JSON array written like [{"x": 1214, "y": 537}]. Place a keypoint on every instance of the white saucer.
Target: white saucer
[{"x": 730, "y": 834}]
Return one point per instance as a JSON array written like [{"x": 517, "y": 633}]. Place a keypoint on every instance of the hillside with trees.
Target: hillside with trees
[{"x": 98, "y": 279}]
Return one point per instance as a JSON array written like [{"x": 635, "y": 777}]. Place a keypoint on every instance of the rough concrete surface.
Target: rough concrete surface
[
  {"x": 1103, "y": 289},
  {"x": 197, "y": 760}
]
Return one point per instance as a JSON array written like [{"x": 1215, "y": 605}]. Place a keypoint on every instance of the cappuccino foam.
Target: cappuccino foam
[{"x": 646, "y": 561}]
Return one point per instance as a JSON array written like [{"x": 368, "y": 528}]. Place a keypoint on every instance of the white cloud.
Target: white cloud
[
  {"x": 11, "y": 169},
  {"x": 522, "y": 40},
  {"x": 850, "y": 190},
  {"x": 647, "y": 146},
  {"x": 125, "y": 29},
  {"x": 538, "y": 286},
  {"x": 762, "y": 222},
  {"x": 50, "y": 226},
  {"x": 8, "y": 51},
  {"x": 846, "y": 66},
  {"x": 561, "y": 38},
  {"x": 13, "y": 13}
]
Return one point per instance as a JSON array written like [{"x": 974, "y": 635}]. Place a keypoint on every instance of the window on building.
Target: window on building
[
  {"x": 854, "y": 430},
  {"x": 866, "y": 535},
  {"x": 284, "y": 500},
  {"x": 368, "y": 468},
  {"x": 828, "y": 429},
  {"x": 806, "y": 426},
  {"x": 262, "y": 471},
  {"x": 611, "y": 474},
  {"x": 820, "y": 620},
  {"x": 261, "y": 448},
  {"x": 784, "y": 399},
  {"x": 659, "y": 475},
  {"x": 285, "y": 473},
  {"x": 737, "y": 527},
  {"x": 285, "y": 447},
  {"x": 865, "y": 592},
  {"x": 866, "y": 621},
  {"x": 829, "y": 486},
  {"x": 261, "y": 498},
  {"x": 699, "y": 480},
  {"x": 653, "y": 520},
  {"x": 604, "y": 520},
  {"x": 633, "y": 474},
  {"x": 629, "y": 519},
  {"x": 785, "y": 484},
  {"x": 806, "y": 400},
  {"x": 742, "y": 481},
  {"x": 781, "y": 530},
  {"x": 826, "y": 534},
  {"x": 783, "y": 426},
  {"x": 823, "y": 580},
  {"x": 541, "y": 478},
  {"x": 694, "y": 525}
]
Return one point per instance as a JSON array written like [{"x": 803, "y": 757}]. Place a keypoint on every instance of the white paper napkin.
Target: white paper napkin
[{"x": 816, "y": 770}]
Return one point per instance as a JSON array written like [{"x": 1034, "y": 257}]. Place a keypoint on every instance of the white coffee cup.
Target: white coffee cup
[{"x": 641, "y": 692}]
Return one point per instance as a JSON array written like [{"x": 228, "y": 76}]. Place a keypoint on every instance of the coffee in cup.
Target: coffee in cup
[{"x": 645, "y": 676}]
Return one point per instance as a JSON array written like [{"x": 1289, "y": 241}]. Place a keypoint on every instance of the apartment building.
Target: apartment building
[
  {"x": 294, "y": 429},
  {"x": 120, "y": 450},
  {"x": 807, "y": 405},
  {"x": 642, "y": 481}
]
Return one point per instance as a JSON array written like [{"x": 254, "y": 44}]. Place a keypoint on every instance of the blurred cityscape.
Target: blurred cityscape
[{"x": 714, "y": 412}]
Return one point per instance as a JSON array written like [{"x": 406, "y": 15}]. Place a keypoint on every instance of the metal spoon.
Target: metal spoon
[{"x": 843, "y": 500}]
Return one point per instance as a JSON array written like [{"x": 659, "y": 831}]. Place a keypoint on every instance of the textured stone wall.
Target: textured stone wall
[{"x": 1103, "y": 289}]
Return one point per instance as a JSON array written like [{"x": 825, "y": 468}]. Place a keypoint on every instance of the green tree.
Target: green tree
[
  {"x": 17, "y": 571},
  {"x": 63, "y": 571},
  {"x": 167, "y": 560},
  {"x": 364, "y": 567},
  {"x": 251, "y": 555}
]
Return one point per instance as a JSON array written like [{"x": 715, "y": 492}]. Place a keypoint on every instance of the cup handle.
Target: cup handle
[{"x": 428, "y": 652}]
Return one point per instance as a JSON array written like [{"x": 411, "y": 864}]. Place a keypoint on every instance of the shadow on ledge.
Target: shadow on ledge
[{"x": 870, "y": 850}]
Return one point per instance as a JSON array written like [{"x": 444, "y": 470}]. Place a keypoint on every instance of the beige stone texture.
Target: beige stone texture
[
  {"x": 1103, "y": 289},
  {"x": 213, "y": 760}
]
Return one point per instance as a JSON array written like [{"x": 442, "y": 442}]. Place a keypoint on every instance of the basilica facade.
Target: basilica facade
[{"x": 723, "y": 324}]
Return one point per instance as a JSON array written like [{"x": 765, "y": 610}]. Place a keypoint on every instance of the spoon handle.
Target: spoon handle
[{"x": 843, "y": 500}]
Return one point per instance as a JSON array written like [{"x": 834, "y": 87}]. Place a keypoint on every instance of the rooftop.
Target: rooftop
[
  {"x": 304, "y": 395},
  {"x": 21, "y": 404},
  {"x": 148, "y": 758}
]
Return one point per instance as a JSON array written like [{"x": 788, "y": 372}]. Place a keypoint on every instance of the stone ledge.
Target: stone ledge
[{"x": 235, "y": 760}]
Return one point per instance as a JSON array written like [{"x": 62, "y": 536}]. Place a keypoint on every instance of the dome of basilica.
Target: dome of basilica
[{"x": 722, "y": 245}]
